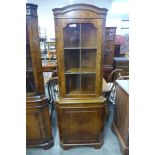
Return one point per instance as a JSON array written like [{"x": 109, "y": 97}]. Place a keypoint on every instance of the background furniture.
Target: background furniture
[
  {"x": 108, "y": 88},
  {"x": 43, "y": 38},
  {"x": 38, "y": 123},
  {"x": 50, "y": 46},
  {"x": 80, "y": 108},
  {"x": 121, "y": 115},
  {"x": 117, "y": 50},
  {"x": 122, "y": 63},
  {"x": 49, "y": 65},
  {"x": 109, "y": 51},
  {"x": 50, "y": 62},
  {"x": 114, "y": 75},
  {"x": 53, "y": 88}
]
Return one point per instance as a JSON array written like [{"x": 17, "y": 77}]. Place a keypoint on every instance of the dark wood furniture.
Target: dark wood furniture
[
  {"x": 114, "y": 75},
  {"x": 53, "y": 88},
  {"x": 49, "y": 65},
  {"x": 109, "y": 89},
  {"x": 120, "y": 123},
  {"x": 80, "y": 30},
  {"x": 81, "y": 122},
  {"x": 38, "y": 123},
  {"x": 122, "y": 63},
  {"x": 109, "y": 51},
  {"x": 117, "y": 50}
]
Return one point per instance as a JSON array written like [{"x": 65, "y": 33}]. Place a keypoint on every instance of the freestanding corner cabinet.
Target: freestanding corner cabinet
[
  {"x": 80, "y": 108},
  {"x": 38, "y": 123}
]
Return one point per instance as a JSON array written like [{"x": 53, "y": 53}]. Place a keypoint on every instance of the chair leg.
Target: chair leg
[
  {"x": 107, "y": 112},
  {"x": 53, "y": 105}
]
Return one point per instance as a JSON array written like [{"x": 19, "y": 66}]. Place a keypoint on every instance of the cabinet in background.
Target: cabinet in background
[
  {"x": 38, "y": 123},
  {"x": 109, "y": 51},
  {"x": 122, "y": 63}
]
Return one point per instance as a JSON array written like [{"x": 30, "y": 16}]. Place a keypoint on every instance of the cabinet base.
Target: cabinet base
[
  {"x": 69, "y": 146},
  {"x": 124, "y": 149},
  {"x": 45, "y": 146}
]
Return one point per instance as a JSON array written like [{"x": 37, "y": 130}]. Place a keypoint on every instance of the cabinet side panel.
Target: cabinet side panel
[
  {"x": 60, "y": 55},
  {"x": 32, "y": 28},
  {"x": 38, "y": 125},
  {"x": 121, "y": 114}
]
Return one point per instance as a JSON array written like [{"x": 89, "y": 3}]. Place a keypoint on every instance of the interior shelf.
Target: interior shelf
[
  {"x": 73, "y": 70},
  {"x": 88, "y": 70},
  {"x": 80, "y": 71},
  {"x": 70, "y": 48},
  {"x": 74, "y": 92},
  {"x": 78, "y": 92},
  {"x": 80, "y": 83}
]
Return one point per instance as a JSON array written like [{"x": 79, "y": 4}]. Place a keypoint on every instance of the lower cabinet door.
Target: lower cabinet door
[
  {"x": 81, "y": 124},
  {"x": 38, "y": 125}
]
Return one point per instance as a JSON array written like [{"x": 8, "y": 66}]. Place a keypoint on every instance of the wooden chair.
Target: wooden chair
[
  {"x": 44, "y": 54},
  {"x": 108, "y": 89},
  {"x": 123, "y": 78},
  {"x": 53, "y": 89},
  {"x": 114, "y": 75}
]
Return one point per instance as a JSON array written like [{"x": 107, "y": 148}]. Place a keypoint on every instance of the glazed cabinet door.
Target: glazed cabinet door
[{"x": 80, "y": 54}]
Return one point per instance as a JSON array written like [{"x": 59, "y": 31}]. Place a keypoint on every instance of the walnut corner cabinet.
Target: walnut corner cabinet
[
  {"x": 80, "y": 30},
  {"x": 38, "y": 123}
]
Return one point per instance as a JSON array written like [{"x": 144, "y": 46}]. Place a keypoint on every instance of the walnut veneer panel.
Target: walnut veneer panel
[
  {"x": 38, "y": 125},
  {"x": 81, "y": 123},
  {"x": 121, "y": 117}
]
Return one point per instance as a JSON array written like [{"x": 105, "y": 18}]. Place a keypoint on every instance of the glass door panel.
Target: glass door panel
[
  {"x": 30, "y": 85},
  {"x": 88, "y": 83},
  {"x": 88, "y": 60},
  {"x": 72, "y": 83},
  {"x": 88, "y": 36},
  {"x": 80, "y": 48},
  {"x": 72, "y": 36},
  {"x": 72, "y": 60}
]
